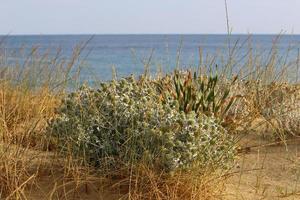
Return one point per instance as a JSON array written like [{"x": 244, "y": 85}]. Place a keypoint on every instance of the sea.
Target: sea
[{"x": 103, "y": 56}]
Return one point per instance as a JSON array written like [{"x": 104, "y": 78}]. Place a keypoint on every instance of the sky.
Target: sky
[{"x": 148, "y": 16}]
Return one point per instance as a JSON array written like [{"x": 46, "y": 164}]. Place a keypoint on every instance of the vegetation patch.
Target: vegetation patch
[{"x": 124, "y": 123}]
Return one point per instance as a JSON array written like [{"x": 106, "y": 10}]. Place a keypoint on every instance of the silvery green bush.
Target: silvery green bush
[{"x": 124, "y": 122}]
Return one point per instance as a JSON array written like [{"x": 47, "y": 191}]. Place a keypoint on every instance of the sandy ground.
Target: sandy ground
[{"x": 267, "y": 170}]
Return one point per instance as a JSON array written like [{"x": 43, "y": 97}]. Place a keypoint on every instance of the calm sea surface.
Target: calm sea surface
[{"x": 130, "y": 53}]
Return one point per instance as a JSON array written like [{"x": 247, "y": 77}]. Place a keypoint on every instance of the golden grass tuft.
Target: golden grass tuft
[
  {"x": 143, "y": 183},
  {"x": 24, "y": 113},
  {"x": 23, "y": 118}
]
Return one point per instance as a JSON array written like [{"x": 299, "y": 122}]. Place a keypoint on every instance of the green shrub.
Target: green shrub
[{"x": 124, "y": 123}]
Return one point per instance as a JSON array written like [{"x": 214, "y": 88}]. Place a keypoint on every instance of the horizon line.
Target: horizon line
[{"x": 95, "y": 34}]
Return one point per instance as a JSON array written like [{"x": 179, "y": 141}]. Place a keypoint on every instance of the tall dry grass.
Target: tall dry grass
[
  {"x": 31, "y": 87},
  {"x": 269, "y": 91}
]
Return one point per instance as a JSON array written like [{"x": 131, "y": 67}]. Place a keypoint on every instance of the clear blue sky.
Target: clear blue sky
[{"x": 147, "y": 16}]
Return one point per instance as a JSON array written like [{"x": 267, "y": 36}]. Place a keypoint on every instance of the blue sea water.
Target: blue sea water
[{"x": 130, "y": 53}]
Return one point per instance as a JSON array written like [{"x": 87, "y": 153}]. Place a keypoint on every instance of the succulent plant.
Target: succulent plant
[{"x": 197, "y": 93}]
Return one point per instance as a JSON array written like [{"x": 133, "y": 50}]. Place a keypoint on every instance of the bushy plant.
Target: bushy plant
[{"x": 124, "y": 122}]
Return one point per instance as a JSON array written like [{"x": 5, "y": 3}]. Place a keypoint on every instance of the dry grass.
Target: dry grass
[
  {"x": 24, "y": 113},
  {"x": 29, "y": 94},
  {"x": 145, "y": 184},
  {"x": 275, "y": 105},
  {"x": 14, "y": 170},
  {"x": 23, "y": 118}
]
